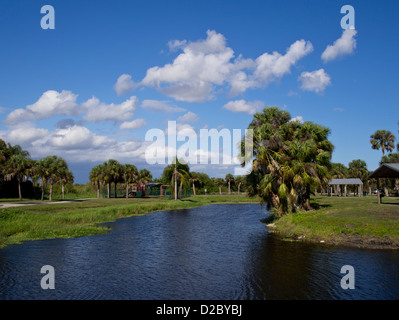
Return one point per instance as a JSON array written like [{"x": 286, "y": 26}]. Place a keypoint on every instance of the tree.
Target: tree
[
  {"x": 292, "y": 160},
  {"x": 358, "y": 169},
  {"x": 390, "y": 158},
  {"x": 194, "y": 177},
  {"x": 64, "y": 175},
  {"x": 177, "y": 173},
  {"x": 18, "y": 167},
  {"x": 383, "y": 139},
  {"x": 219, "y": 182},
  {"x": 96, "y": 177},
  {"x": 130, "y": 175},
  {"x": 229, "y": 178},
  {"x": 240, "y": 181}
]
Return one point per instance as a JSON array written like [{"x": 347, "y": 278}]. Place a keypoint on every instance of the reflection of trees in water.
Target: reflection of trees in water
[{"x": 285, "y": 270}]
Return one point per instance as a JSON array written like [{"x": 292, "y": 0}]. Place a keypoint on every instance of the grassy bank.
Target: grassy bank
[
  {"x": 351, "y": 221},
  {"x": 80, "y": 218}
]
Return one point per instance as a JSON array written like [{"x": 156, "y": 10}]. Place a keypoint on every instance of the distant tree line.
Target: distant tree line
[{"x": 17, "y": 166}]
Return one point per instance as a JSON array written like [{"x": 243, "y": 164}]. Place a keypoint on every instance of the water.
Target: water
[{"x": 208, "y": 253}]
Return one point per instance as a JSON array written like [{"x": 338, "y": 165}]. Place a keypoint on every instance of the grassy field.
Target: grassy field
[
  {"x": 45, "y": 220},
  {"x": 352, "y": 221}
]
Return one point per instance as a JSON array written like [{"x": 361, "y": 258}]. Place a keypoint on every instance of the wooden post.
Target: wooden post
[{"x": 378, "y": 191}]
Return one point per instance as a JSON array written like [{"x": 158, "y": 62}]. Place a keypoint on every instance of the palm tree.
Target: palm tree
[
  {"x": 383, "y": 139},
  {"x": 194, "y": 177},
  {"x": 219, "y": 182},
  {"x": 65, "y": 176},
  {"x": 229, "y": 177},
  {"x": 240, "y": 180},
  {"x": 18, "y": 167},
  {"x": 292, "y": 160},
  {"x": 96, "y": 177},
  {"x": 130, "y": 175},
  {"x": 43, "y": 171}
]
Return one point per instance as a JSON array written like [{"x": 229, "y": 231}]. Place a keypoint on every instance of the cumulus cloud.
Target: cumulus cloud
[
  {"x": 188, "y": 117},
  {"x": 51, "y": 103},
  {"x": 135, "y": 124},
  {"x": 97, "y": 111},
  {"x": 24, "y": 135},
  {"x": 209, "y": 63},
  {"x": 160, "y": 106},
  {"x": 76, "y": 137},
  {"x": 244, "y": 106},
  {"x": 125, "y": 84},
  {"x": 341, "y": 47},
  {"x": 315, "y": 81}
]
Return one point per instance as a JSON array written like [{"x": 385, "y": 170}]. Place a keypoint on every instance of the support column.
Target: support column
[
  {"x": 378, "y": 191},
  {"x": 345, "y": 190}
]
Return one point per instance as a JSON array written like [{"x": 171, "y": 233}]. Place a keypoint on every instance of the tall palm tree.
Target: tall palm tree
[
  {"x": 65, "y": 176},
  {"x": 383, "y": 139},
  {"x": 18, "y": 167},
  {"x": 194, "y": 177},
  {"x": 96, "y": 177}
]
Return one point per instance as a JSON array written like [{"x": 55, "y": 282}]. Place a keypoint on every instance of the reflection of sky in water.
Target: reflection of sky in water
[{"x": 211, "y": 252}]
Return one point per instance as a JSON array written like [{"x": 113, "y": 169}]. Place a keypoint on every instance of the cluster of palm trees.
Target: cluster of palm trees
[
  {"x": 292, "y": 160},
  {"x": 17, "y": 164},
  {"x": 114, "y": 172}
]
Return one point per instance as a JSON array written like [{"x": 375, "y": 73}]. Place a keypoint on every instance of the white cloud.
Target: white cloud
[
  {"x": 206, "y": 64},
  {"x": 135, "y": 124},
  {"x": 270, "y": 67},
  {"x": 315, "y": 81},
  {"x": 77, "y": 137},
  {"x": 24, "y": 135},
  {"x": 188, "y": 117},
  {"x": 50, "y": 103},
  {"x": 342, "y": 46},
  {"x": 125, "y": 84},
  {"x": 298, "y": 118},
  {"x": 98, "y": 111},
  {"x": 160, "y": 106},
  {"x": 244, "y": 106}
]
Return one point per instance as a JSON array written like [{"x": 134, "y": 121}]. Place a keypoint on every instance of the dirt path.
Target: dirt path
[{"x": 11, "y": 205}]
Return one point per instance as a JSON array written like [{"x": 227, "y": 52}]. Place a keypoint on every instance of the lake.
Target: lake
[{"x": 215, "y": 252}]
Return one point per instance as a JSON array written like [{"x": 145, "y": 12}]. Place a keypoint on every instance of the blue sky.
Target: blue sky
[{"x": 206, "y": 64}]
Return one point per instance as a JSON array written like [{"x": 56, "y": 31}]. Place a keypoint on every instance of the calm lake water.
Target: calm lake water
[{"x": 213, "y": 252}]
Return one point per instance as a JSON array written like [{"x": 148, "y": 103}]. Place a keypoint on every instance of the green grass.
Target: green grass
[
  {"x": 351, "y": 221},
  {"x": 82, "y": 218}
]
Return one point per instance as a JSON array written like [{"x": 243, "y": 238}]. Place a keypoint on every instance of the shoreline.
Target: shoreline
[{"x": 349, "y": 222}]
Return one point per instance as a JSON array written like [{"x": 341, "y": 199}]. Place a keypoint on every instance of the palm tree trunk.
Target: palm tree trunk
[
  {"x": 127, "y": 190},
  {"x": 115, "y": 189},
  {"x": 98, "y": 190},
  {"x": 220, "y": 190},
  {"x": 175, "y": 187},
  {"x": 229, "y": 188},
  {"x": 63, "y": 191},
  {"x": 239, "y": 188},
  {"x": 194, "y": 188},
  {"x": 108, "y": 186},
  {"x": 51, "y": 192},
  {"x": 19, "y": 189}
]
